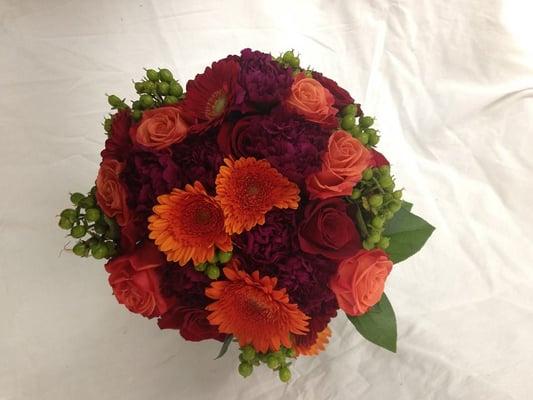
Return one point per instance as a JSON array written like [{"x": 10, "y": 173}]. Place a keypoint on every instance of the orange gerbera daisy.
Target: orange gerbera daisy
[
  {"x": 322, "y": 340},
  {"x": 188, "y": 224},
  {"x": 250, "y": 308},
  {"x": 248, "y": 188}
]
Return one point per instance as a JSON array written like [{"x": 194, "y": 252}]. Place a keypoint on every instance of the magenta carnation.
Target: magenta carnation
[
  {"x": 292, "y": 145},
  {"x": 265, "y": 82}
]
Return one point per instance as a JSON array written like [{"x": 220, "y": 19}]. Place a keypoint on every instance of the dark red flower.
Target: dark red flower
[
  {"x": 378, "y": 159},
  {"x": 327, "y": 230},
  {"x": 118, "y": 144},
  {"x": 191, "y": 322},
  {"x": 212, "y": 94},
  {"x": 341, "y": 96}
]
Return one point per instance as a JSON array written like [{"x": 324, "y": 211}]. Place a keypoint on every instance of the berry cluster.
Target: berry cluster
[
  {"x": 376, "y": 202},
  {"x": 275, "y": 360},
  {"x": 155, "y": 89},
  {"x": 211, "y": 268},
  {"x": 86, "y": 220},
  {"x": 361, "y": 129}
]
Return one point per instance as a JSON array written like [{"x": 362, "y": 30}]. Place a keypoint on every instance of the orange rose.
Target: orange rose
[
  {"x": 312, "y": 100},
  {"x": 360, "y": 281},
  {"x": 161, "y": 127},
  {"x": 110, "y": 193},
  {"x": 342, "y": 167}
]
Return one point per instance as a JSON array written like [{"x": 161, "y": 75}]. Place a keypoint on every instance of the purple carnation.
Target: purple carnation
[
  {"x": 291, "y": 144},
  {"x": 268, "y": 243},
  {"x": 265, "y": 81}
]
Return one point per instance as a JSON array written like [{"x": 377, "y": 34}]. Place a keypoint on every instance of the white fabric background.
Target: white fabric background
[{"x": 450, "y": 83}]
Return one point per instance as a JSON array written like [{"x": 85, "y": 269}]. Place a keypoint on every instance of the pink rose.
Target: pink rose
[
  {"x": 360, "y": 281},
  {"x": 342, "y": 167}
]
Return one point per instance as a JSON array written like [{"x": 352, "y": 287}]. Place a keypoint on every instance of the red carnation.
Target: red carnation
[{"x": 211, "y": 95}]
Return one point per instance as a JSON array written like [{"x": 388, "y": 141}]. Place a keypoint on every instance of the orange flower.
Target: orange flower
[
  {"x": 250, "y": 308},
  {"x": 188, "y": 224},
  {"x": 248, "y": 188},
  {"x": 321, "y": 341}
]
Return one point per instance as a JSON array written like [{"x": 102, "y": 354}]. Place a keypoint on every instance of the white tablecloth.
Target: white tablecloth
[{"x": 450, "y": 83}]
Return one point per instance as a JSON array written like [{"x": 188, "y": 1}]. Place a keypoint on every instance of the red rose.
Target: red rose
[
  {"x": 110, "y": 193},
  {"x": 135, "y": 280},
  {"x": 192, "y": 323},
  {"x": 328, "y": 230},
  {"x": 119, "y": 142}
]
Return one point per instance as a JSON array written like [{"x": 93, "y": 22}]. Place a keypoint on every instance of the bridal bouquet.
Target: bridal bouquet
[{"x": 250, "y": 208}]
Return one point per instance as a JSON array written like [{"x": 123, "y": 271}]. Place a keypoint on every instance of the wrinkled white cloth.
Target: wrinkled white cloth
[{"x": 450, "y": 83}]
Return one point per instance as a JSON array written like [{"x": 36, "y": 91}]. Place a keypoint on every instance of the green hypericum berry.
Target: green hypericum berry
[
  {"x": 78, "y": 231},
  {"x": 384, "y": 243},
  {"x": 111, "y": 249},
  {"x": 375, "y": 200},
  {"x": 367, "y": 245},
  {"x": 99, "y": 251},
  {"x": 374, "y": 237},
  {"x": 245, "y": 369},
  {"x": 373, "y": 137},
  {"x": 248, "y": 353},
  {"x": 92, "y": 214},
  {"x": 386, "y": 181},
  {"x": 349, "y": 110},
  {"x": 87, "y": 202},
  {"x": 377, "y": 222},
  {"x": 200, "y": 267},
  {"x": 76, "y": 197},
  {"x": 388, "y": 214},
  {"x": 107, "y": 124},
  {"x": 224, "y": 257},
  {"x": 150, "y": 87},
  {"x": 356, "y": 131},
  {"x": 114, "y": 101},
  {"x": 285, "y": 374},
  {"x": 146, "y": 101},
  {"x": 397, "y": 194},
  {"x": 213, "y": 272},
  {"x": 69, "y": 214},
  {"x": 65, "y": 223},
  {"x": 163, "y": 88},
  {"x": 288, "y": 57},
  {"x": 368, "y": 174},
  {"x": 137, "y": 115},
  {"x": 295, "y": 62},
  {"x": 385, "y": 169},
  {"x": 100, "y": 228},
  {"x": 139, "y": 87},
  {"x": 395, "y": 206},
  {"x": 136, "y": 105},
  {"x": 152, "y": 75},
  {"x": 273, "y": 361},
  {"x": 291, "y": 353},
  {"x": 165, "y": 75},
  {"x": 81, "y": 249},
  {"x": 170, "y": 100},
  {"x": 363, "y": 138},
  {"x": 348, "y": 122},
  {"x": 175, "y": 89},
  {"x": 366, "y": 122},
  {"x": 356, "y": 193}
]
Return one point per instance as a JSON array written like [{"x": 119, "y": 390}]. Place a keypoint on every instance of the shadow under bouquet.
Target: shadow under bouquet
[{"x": 250, "y": 208}]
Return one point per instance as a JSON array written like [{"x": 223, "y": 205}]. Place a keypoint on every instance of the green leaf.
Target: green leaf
[
  {"x": 225, "y": 346},
  {"x": 407, "y": 233},
  {"x": 378, "y": 325}
]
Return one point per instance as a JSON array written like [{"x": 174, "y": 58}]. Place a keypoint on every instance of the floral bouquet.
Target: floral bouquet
[{"x": 248, "y": 209}]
